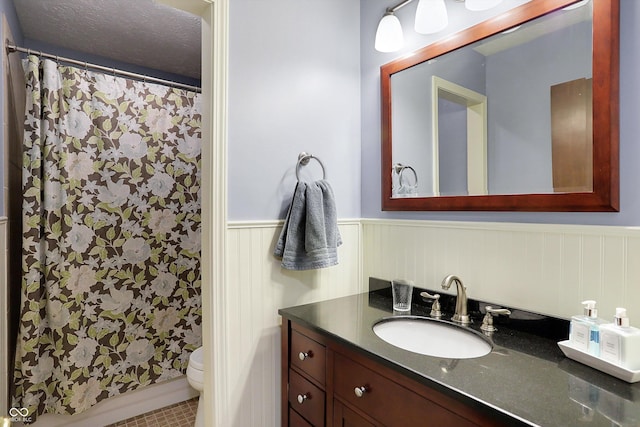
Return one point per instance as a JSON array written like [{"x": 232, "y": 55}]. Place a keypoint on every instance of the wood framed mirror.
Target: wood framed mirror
[{"x": 562, "y": 148}]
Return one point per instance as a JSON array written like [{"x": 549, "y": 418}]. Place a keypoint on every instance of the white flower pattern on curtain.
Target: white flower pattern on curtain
[{"x": 111, "y": 237}]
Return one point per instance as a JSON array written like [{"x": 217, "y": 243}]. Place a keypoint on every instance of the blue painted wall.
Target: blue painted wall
[{"x": 294, "y": 85}]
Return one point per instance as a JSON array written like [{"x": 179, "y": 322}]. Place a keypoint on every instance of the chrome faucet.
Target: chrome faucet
[{"x": 460, "y": 316}]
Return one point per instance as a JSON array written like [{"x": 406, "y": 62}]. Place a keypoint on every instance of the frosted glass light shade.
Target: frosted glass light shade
[
  {"x": 389, "y": 37},
  {"x": 431, "y": 16},
  {"x": 481, "y": 4}
]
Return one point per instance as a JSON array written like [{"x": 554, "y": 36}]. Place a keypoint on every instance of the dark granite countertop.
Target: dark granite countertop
[{"x": 525, "y": 380}]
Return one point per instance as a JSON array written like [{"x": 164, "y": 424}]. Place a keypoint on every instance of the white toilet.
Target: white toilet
[{"x": 195, "y": 376}]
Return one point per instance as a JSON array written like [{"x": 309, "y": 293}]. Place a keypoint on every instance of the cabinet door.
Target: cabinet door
[
  {"x": 344, "y": 417},
  {"x": 295, "y": 420}
]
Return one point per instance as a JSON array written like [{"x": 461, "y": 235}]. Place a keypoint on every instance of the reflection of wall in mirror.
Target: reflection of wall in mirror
[
  {"x": 518, "y": 88},
  {"x": 452, "y": 149},
  {"x": 412, "y": 111}
]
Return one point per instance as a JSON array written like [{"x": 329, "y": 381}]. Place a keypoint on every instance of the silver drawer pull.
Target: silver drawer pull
[
  {"x": 302, "y": 398},
  {"x": 303, "y": 356},
  {"x": 360, "y": 391}
]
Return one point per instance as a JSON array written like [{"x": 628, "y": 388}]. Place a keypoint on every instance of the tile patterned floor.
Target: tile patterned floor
[{"x": 179, "y": 415}]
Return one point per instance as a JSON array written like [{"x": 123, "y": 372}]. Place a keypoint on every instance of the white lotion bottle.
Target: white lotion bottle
[
  {"x": 620, "y": 343},
  {"x": 584, "y": 331}
]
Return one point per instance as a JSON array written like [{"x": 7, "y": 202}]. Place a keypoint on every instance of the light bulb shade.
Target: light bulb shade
[
  {"x": 431, "y": 16},
  {"x": 389, "y": 37},
  {"x": 476, "y": 5}
]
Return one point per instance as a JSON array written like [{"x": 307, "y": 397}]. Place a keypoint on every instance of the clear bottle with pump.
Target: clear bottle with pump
[
  {"x": 585, "y": 329},
  {"x": 620, "y": 343}
]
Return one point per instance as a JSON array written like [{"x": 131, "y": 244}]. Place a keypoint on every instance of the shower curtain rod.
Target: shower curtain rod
[{"x": 12, "y": 48}]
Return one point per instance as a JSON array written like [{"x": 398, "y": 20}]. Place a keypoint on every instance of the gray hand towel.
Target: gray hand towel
[{"x": 310, "y": 236}]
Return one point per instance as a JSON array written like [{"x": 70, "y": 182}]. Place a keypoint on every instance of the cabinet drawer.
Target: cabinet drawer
[
  {"x": 306, "y": 399},
  {"x": 387, "y": 401},
  {"x": 295, "y": 420},
  {"x": 308, "y": 355}
]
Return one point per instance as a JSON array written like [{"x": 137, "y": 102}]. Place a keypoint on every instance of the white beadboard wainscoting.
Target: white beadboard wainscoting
[
  {"x": 257, "y": 287},
  {"x": 545, "y": 268}
]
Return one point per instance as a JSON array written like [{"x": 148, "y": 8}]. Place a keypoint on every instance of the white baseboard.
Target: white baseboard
[{"x": 124, "y": 406}]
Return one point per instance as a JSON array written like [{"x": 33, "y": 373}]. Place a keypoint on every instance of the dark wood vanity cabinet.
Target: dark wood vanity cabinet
[
  {"x": 304, "y": 370},
  {"x": 326, "y": 384}
]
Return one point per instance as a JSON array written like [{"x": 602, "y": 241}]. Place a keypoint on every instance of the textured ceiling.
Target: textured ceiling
[{"x": 139, "y": 32}]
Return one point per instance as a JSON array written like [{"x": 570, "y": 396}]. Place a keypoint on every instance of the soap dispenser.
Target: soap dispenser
[
  {"x": 585, "y": 329},
  {"x": 620, "y": 343}
]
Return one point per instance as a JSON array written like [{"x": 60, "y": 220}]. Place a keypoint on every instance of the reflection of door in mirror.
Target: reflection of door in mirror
[
  {"x": 459, "y": 138},
  {"x": 572, "y": 136}
]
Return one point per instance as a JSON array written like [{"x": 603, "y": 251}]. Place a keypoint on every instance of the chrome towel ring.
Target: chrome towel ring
[{"x": 303, "y": 160}]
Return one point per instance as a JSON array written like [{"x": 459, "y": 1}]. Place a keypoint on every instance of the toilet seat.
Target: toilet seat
[
  {"x": 196, "y": 359},
  {"x": 195, "y": 376}
]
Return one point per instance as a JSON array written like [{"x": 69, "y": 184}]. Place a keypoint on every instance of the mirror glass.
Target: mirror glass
[{"x": 502, "y": 115}]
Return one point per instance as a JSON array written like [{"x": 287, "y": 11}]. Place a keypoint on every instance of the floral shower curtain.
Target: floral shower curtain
[{"x": 111, "y": 237}]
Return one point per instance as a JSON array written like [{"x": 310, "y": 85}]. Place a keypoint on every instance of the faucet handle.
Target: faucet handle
[
  {"x": 498, "y": 310},
  {"x": 435, "y": 307},
  {"x": 427, "y": 295},
  {"x": 487, "y": 322}
]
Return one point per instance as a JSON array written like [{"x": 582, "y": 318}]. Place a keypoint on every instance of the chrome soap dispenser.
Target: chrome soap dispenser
[{"x": 585, "y": 329}]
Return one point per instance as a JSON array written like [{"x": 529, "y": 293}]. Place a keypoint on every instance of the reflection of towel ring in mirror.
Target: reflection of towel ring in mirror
[
  {"x": 303, "y": 159},
  {"x": 399, "y": 169}
]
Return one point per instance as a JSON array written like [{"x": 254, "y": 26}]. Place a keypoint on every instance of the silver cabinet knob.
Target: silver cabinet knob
[
  {"x": 302, "y": 398},
  {"x": 304, "y": 355},
  {"x": 360, "y": 391}
]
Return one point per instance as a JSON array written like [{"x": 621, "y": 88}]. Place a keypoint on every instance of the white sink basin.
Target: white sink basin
[{"x": 432, "y": 338}]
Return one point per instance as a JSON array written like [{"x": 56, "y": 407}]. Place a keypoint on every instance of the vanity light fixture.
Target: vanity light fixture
[
  {"x": 431, "y": 17},
  {"x": 389, "y": 36}
]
